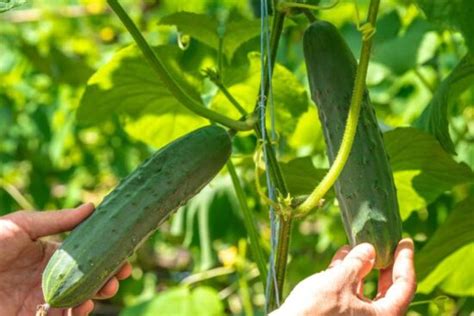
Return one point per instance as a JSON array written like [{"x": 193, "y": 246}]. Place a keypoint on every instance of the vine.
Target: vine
[{"x": 168, "y": 79}]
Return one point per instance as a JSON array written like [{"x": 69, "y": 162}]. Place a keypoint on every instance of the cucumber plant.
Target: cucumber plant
[{"x": 359, "y": 169}]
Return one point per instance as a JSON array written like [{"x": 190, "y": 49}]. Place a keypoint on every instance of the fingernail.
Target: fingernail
[{"x": 367, "y": 250}]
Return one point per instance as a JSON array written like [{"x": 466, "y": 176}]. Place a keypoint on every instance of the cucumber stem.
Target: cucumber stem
[
  {"x": 42, "y": 310},
  {"x": 330, "y": 178},
  {"x": 251, "y": 227},
  {"x": 178, "y": 92}
]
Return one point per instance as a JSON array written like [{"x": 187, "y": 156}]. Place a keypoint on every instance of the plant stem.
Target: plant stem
[
  {"x": 207, "y": 274},
  {"x": 309, "y": 15},
  {"x": 424, "y": 81},
  {"x": 17, "y": 196},
  {"x": 230, "y": 97},
  {"x": 275, "y": 171},
  {"x": 277, "y": 28},
  {"x": 351, "y": 126},
  {"x": 243, "y": 284},
  {"x": 274, "y": 167},
  {"x": 250, "y": 225},
  {"x": 287, "y": 5},
  {"x": 178, "y": 92}
]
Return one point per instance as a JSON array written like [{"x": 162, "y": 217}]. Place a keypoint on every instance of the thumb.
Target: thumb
[
  {"x": 40, "y": 224},
  {"x": 358, "y": 262}
]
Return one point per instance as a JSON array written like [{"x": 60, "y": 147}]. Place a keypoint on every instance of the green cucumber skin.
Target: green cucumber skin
[
  {"x": 97, "y": 248},
  {"x": 365, "y": 189}
]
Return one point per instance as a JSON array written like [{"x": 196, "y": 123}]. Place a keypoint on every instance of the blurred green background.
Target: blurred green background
[{"x": 64, "y": 141}]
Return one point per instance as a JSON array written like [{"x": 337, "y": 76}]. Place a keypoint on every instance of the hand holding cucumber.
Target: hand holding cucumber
[
  {"x": 339, "y": 289},
  {"x": 24, "y": 257}
]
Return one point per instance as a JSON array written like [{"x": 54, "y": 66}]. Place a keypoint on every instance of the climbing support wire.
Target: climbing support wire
[{"x": 265, "y": 52}]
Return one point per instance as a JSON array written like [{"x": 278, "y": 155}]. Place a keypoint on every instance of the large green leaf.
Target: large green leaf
[
  {"x": 434, "y": 118},
  {"x": 422, "y": 169},
  {"x": 290, "y": 98},
  {"x": 301, "y": 176},
  {"x": 459, "y": 281},
  {"x": 452, "y": 13},
  {"x": 456, "y": 232},
  {"x": 127, "y": 86},
  {"x": 6, "y": 5},
  {"x": 180, "y": 301},
  {"x": 200, "y": 26},
  {"x": 159, "y": 130},
  {"x": 61, "y": 67},
  {"x": 205, "y": 28},
  {"x": 400, "y": 53},
  {"x": 453, "y": 275}
]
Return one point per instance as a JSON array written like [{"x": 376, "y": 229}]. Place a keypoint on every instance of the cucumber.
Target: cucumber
[
  {"x": 96, "y": 249},
  {"x": 365, "y": 189}
]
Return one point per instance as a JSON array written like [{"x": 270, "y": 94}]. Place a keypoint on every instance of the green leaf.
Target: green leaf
[
  {"x": 434, "y": 118},
  {"x": 180, "y": 301},
  {"x": 204, "y": 28},
  {"x": 61, "y": 67},
  {"x": 239, "y": 31},
  {"x": 308, "y": 133},
  {"x": 452, "y": 13},
  {"x": 459, "y": 281},
  {"x": 159, "y": 130},
  {"x": 200, "y": 26},
  {"x": 289, "y": 95},
  {"x": 301, "y": 176},
  {"x": 127, "y": 86},
  {"x": 210, "y": 216},
  {"x": 456, "y": 232},
  {"x": 6, "y": 5},
  {"x": 422, "y": 169},
  {"x": 453, "y": 275},
  {"x": 400, "y": 53}
]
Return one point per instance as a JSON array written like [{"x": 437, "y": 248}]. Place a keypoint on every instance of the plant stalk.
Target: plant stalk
[
  {"x": 276, "y": 174},
  {"x": 251, "y": 227},
  {"x": 178, "y": 92}
]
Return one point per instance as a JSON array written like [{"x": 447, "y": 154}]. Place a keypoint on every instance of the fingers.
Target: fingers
[
  {"x": 108, "y": 290},
  {"x": 360, "y": 289},
  {"x": 40, "y": 224},
  {"x": 111, "y": 287},
  {"x": 385, "y": 281},
  {"x": 399, "y": 294},
  {"x": 339, "y": 256},
  {"x": 358, "y": 262},
  {"x": 124, "y": 272},
  {"x": 82, "y": 310}
]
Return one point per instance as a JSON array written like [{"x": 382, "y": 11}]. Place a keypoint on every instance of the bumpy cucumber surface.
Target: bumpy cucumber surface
[
  {"x": 365, "y": 189},
  {"x": 94, "y": 251}
]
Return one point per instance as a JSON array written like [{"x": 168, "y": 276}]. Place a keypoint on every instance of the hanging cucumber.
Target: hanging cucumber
[
  {"x": 365, "y": 189},
  {"x": 95, "y": 250}
]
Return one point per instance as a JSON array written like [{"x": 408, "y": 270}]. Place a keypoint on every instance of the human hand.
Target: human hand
[
  {"x": 339, "y": 289},
  {"x": 24, "y": 257}
]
